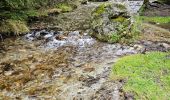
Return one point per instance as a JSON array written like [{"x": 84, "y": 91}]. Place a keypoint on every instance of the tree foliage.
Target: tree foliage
[{"x": 24, "y": 4}]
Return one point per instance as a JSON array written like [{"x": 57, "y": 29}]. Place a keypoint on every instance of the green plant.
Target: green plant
[
  {"x": 115, "y": 37},
  {"x": 147, "y": 76}
]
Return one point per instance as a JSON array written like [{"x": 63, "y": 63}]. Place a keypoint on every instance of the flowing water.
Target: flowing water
[
  {"x": 62, "y": 65},
  {"x": 58, "y": 65}
]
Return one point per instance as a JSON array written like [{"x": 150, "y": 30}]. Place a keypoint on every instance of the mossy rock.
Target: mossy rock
[{"x": 111, "y": 22}]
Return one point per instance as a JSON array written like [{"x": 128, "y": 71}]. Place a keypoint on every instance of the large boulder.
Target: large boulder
[{"x": 111, "y": 22}]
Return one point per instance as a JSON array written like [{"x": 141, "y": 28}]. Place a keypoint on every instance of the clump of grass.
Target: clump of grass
[
  {"x": 147, "y": 76},
  {"x": 156, "y": 19},
  {"x": 13, "y": 26}
]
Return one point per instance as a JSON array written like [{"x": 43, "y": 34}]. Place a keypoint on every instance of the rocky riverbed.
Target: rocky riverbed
[
  {"x": 63, "y": 65},
  {"x": 47, "y": 64}
]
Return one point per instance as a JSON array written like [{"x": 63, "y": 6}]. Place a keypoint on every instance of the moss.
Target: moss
[
  {"x": 65, "y": 7},
  {"x": 147, "y": 76},
  {"x": 100, "y": 9},
  {"x": 119, "y": 19},
  {"x": 13, "y": 26},
  {"x": 156, "y": 19}
]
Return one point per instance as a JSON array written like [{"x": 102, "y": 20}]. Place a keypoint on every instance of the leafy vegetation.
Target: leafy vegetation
[
  {"x": 147, "y": 76},
  {"x": 12, "y": 11},
  {"x": 24, "y": 4},
  {"x": 15, "y": 13}
]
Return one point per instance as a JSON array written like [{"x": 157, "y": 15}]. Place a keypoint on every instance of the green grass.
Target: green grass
[
  {"x": 156, "y": 19},
  {"x": 147, "y": 76}
]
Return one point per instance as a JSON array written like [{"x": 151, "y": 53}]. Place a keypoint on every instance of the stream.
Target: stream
[
  {"x": 63, "y": 65},
  {"x": 72, "y": 65}
]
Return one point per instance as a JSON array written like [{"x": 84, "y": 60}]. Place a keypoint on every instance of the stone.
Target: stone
[
  {"x": 165, "y": 45},
  {"x": 60, "y": 37},
  {"x": 89, "y": 69},
  {"x": 138, "y": 47},
  {"x": 110, "y": 22},
  {"x": 8, "y": 73}
]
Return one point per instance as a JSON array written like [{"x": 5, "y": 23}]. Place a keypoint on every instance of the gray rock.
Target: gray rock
[{"x": 110, "y": 21}]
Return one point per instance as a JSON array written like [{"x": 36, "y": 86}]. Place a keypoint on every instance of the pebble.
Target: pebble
[{"x": 8, "y": 73}]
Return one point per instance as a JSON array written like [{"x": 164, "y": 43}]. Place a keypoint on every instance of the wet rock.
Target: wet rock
[
  {"x": 60, "y": 37},
  {"x": 89, "y": 69},
  {"x": 8, "y": 73},
  {"x": 90, "y": 80},
  {"x": 108, "y": 91},
  {"x": 138, "y": 47},
  {"x": 62, "y": 65},
  {"x": 154, "y": 46},
  {"x": 121, "y": 52},
  {"x": 74, "y": 33},
  {"x": 165, "y": 45},
  {"x": 78, "y": 64},
  {"x": 47, "y": 36}
]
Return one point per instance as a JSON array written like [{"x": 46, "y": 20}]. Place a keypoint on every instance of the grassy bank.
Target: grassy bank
[
  {"x": 156, "y": 19},
  {"x": 147, "y": 76}
]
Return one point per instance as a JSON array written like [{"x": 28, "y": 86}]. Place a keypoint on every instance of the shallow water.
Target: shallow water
[{"x": 62, "y": 65}]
